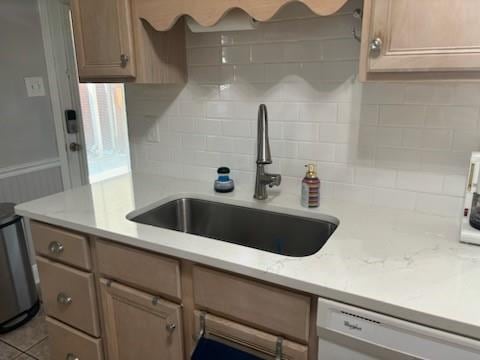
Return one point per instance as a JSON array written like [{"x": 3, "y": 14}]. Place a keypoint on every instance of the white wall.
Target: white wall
[
  {"x": 404, "y": 145},
  {"x": 27, "y": 134}
]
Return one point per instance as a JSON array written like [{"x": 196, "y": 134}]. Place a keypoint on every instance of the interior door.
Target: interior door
[
  {"x": 139, "y": 325},
  {"x": 422, "y": 35}
]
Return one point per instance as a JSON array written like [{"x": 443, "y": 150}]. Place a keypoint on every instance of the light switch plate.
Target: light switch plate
[{"x": 34, "y": 86}]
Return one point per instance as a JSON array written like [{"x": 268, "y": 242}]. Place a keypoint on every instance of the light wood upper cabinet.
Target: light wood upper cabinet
[
  {"x": 139, "y": 325},
  {"x": 441, "y": 37},
  {"x": 113, "y": 43},
  {"x": 103, "y": 38}
]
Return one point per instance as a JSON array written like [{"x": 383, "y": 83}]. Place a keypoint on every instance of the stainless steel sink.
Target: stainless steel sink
[{"x": 264, "y": 230}]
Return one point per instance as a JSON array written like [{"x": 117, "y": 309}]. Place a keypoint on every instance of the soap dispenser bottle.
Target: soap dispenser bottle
[{"x": 311, "y": 188}]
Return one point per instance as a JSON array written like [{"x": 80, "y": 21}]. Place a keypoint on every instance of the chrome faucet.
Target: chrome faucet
[{"x": 264, "y": 157}]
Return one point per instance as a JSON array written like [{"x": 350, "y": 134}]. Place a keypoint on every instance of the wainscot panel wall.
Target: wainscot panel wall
[
  {"x": 30, "y": 181},
  {"x": 401, "y": 145}
]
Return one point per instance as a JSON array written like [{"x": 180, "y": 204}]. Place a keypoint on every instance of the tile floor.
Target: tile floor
[{"x": 29, "y": 342}]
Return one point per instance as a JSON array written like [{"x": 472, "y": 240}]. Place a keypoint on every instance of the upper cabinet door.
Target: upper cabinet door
[
  {"x": 139, "y": 325},
  {"x": 421, "y": 35},
  {"x": 103, "y": 39}
]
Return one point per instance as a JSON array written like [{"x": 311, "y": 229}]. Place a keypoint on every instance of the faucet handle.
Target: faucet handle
[{"x": 276, "y": 180}]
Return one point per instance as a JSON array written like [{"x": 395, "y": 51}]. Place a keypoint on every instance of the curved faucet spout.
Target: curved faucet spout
[
  {"x": 263, "y": 145},
  {"x": 264, "y": 157}
]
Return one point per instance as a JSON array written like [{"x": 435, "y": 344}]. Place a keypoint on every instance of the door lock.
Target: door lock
[{"x": 75, "y": 146}]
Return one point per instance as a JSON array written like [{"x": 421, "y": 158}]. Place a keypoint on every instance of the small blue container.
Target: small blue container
[{"x": 224, "y": 184}]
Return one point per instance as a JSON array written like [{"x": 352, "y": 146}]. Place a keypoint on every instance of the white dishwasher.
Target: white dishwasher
[{"x": 350, "y": 333}]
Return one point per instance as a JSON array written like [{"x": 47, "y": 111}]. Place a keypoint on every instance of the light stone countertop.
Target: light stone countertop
[{"x": 395, "y": 262}]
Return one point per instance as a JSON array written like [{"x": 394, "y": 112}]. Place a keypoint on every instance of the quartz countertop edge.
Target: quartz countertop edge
[{"x": 396, "y": 262}]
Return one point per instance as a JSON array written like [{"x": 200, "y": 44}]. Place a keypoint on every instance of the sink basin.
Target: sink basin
[{"x": 278, "y": 233}]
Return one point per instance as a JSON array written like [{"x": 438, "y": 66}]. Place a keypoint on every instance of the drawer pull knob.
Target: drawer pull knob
[
  {"x": 55, "y": 247},
  {"x": 171, "y": 327},
  {"x": 64, "y": 299},
  {"x": 71, "y": 356},
  {"x": 376, "y": 46}
]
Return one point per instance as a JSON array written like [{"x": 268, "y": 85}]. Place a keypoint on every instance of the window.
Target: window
[{"x": 105, "y": 128}]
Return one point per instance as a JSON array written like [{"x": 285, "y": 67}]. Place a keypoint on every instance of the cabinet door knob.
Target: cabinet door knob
[
  {"x": 64, "y": 299},
  {"x": 71, "y": 356},
  {"x": 375, "y": 46},
  {"x": 171, "y": 327},
  {"x": 124, "y": 59},
  {"x": 55, "y": 247}
]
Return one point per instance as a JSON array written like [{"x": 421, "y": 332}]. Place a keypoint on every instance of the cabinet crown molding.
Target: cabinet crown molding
[{"x": 163, "y": 14}]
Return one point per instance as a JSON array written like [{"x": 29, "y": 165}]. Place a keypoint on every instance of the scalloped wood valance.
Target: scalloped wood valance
[{"x": 162, "y": 14}]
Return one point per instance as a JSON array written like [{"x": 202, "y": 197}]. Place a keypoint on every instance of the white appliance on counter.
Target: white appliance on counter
[
  {"x": 350, "y": 333},
  {"x": 469, "y": 234}
]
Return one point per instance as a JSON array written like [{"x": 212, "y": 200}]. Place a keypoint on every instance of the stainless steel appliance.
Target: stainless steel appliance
[{"x": 18, "y": 294}]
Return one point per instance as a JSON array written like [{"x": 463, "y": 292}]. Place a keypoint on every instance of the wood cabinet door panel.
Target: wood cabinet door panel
[
  {"x": 103, "y": 38},
  {"x": 139, "y": 325},
  {"x": 422, "y": 35}
]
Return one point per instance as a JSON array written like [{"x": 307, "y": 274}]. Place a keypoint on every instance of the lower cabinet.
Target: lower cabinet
[
  {"x": 139, "y": 325},
  {"x": 67, "y": 343},
  {"x": 107, "y": 301}
]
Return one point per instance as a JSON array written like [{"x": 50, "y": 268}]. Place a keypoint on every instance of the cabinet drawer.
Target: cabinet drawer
[
  {"x": 69, "y": 295},
  {"x": 263, "y": 306},
  {"x": 141, "y": 269},
  {"x": 66, "y": 342},
  {"x": 247, "y": 338},
  {"x": 61, "y": 245}
]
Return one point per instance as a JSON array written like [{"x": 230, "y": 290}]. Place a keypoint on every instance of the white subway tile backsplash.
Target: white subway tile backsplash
[
  {"x": 396, "y": 199},
  {"x": 194, "y": 142},
  {"x": 337, "y": 133},
  {"x": 340, "y": 49},
  {"x": 440, "y": 94},
  {"x": 402, "y": 115},
  {"x": 315, "y": 151},
  {"x": 335, "y": 173},
  {"x": 427, "y": 138},
  {"x": 300, "y": 131},
  {"x": 220, "y": 144},
  {"x": 303, "y": 51},
  {"x": 236, "y": 55},
  {"x": 452, "y": 117},
  {"x": 326, "y": 112},
  {"x": 454, "y": 185},
  {"x": 250, "y": 73},
  {"x": 268, "y": 53},
  {"x": 392, "y": 144},
  {"x": 236, "y": 128},
  {"x": 375, "y": 177},
  {"x": 417, "y": 181},
  {"x": 209, "y": 127},
  {"x": 466, "y": 140},
  {"x": 439, "y": 205},
  {"x": 204, "y": 56}
]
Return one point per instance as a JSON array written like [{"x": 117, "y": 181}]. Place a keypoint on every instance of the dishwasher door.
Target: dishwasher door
[{"x": 350, "y": 333}]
